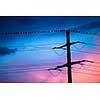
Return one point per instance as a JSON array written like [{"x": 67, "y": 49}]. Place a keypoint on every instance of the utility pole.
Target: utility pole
[{"x": 68, "y": 56}]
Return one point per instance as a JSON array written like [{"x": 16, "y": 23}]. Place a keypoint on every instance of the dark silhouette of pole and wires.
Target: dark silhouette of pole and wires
[{"x": 69, "y": 63}]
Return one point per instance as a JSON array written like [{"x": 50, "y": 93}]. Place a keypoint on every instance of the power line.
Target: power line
[
  {"x": 88, "y": 69},
  {"x": 93, "y": 44},
  {"x": 32, "y": 65},
  {"x": 45, "y": 69},
  {"x": 28, "y": 70},
  {"x": 21, "y": 71},
  {"x": 55, "y": 75},
  {"x": 42, "y": 45},
  {"x": 96, "y": 53},
  {"x": 87, "y": 73},
  {"x": 58, "y": 53},
  {"x": 95, "y": 66},
  {"x": 46, "y": 31},
  {"x": 86, "y": 52}
]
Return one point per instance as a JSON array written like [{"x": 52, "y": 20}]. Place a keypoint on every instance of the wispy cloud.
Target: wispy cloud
[{"x": 6, "y": 51}]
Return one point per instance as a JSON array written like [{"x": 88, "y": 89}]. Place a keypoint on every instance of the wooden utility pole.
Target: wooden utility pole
[{"x": 68, "y": 56}]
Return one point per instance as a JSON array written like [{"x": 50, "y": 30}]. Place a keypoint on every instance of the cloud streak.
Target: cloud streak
[{"x": 5, "y": 51}]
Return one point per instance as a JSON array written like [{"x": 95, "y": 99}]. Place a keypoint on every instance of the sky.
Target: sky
[{"x": 25, "y": 57}]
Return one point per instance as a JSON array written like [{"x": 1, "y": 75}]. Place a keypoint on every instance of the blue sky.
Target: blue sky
[{"x": 36, "y": 49}]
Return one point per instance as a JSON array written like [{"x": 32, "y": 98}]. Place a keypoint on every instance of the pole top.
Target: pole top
[{"x": 68, "y": 30}]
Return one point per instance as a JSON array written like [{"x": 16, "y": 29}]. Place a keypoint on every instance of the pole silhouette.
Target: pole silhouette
[{"x": 68, "y": 56}]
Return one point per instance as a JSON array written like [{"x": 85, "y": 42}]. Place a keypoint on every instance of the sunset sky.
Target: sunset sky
[{"x": 30, "y": 55}]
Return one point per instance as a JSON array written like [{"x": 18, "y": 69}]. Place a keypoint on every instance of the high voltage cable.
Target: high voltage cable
[
  {"x": 46, "y": 64},
  {"x": 93, "y": 66},
  {"x": 23, "y": 68},
  {"x": 21, "y": 71},
  {"x": 62, "y": 49},
  {"x": 55, "y": 75},
  {"x": 32, "y": 70},
  {"x": 37, "y": 45},
  {"x": 93, "y": 44},
  {"x": 88, "y": 69},
  {"x": 95, "y": 53},
  {"x": 6, "y": 69},
  {"x": 32, "y": 65},
  {"x": 27, "y": 70},
  {"x": 45, "y": 69},
  {"x": 58, "y": 53},
  {"x": 42, "y": 44},
  {"x": 87, "y": 73},
  {"x": 45, "y": 47}
]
